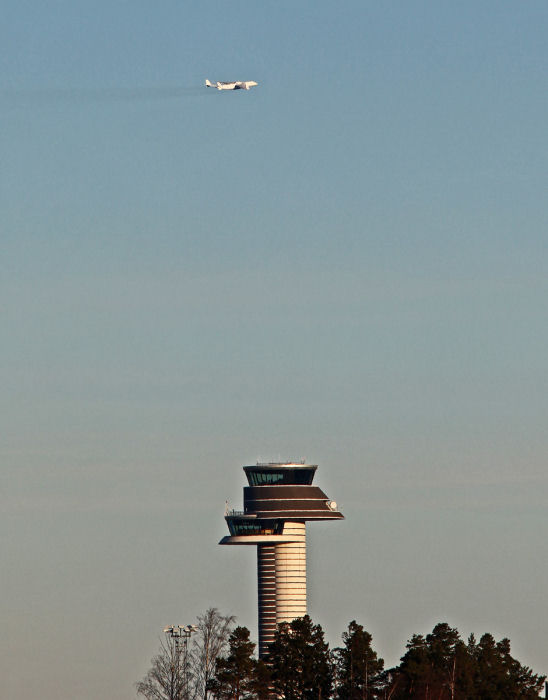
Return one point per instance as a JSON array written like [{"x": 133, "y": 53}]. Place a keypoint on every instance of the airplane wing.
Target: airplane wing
[{"x": 245, "y": 84}]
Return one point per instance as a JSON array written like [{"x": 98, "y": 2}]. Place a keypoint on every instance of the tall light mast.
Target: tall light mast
[{"x": 177, "y": 634}]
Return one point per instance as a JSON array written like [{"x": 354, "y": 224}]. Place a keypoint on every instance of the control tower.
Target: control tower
[{"x": 279, "y": 500}]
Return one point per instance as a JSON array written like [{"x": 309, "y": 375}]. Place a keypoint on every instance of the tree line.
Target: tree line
[{"x": 220, "y": 665}]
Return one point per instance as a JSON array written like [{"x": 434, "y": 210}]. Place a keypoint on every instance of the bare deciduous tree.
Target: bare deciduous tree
[
  {"x": 168, "y": 677},
  {"x": 180, "y": 673},
  {"x": 211, "y": 641}
]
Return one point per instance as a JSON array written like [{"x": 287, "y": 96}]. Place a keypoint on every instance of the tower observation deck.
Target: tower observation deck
[{"x": 279, "y": 500}]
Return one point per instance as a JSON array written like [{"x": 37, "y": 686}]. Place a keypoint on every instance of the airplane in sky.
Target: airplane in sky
[{"x": 236, "y": 85}]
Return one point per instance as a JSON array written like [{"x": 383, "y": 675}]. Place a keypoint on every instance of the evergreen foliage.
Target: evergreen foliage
[
  {"x": 442, "y": 666},
  {"x": 358, "y": 669},
  {"x": 300, "y": 662},
  {"x": 239, "y": 676},
  {"x": 299, "y": 666}
]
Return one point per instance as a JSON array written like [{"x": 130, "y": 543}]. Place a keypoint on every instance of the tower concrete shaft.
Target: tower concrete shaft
[
  {"x": 291, "y": 574},
  {"x": 281, "y": 583},
  {"x": 266, "y": 589},
  {"x": 279, "y": 500}
]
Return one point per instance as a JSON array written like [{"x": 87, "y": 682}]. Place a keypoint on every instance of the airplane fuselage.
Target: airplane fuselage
[{"x": 236, "y": 85}]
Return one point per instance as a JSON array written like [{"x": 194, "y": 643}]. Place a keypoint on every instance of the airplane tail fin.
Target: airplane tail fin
[{"x": 208, "y": 84}]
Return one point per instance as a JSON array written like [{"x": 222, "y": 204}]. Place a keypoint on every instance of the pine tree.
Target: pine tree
[
  {"x": 442, "y": 667},
  {"x": 234, "y": 675},
  {"x": 300, "y": 662},
  {"x": 358, "y": 669},
  {"x": 501, "y": 677}
]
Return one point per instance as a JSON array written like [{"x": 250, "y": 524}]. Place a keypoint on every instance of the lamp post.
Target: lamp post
[{"x": 178, "y": 634}]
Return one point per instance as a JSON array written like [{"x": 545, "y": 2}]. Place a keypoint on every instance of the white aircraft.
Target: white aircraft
[{"x": 237, "y": 85}]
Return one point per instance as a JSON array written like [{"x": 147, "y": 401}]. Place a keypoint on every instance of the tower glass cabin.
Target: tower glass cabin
[{"x": 278, "y": 501}]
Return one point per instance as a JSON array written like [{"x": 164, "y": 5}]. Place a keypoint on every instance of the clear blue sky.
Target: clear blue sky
[{"x": 347, "y": 264}]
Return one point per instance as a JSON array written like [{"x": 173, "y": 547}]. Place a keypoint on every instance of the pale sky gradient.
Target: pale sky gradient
[{"x": 347, "y": 264}]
